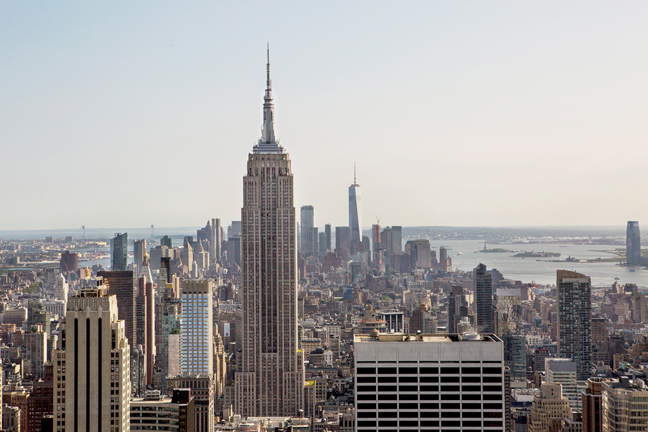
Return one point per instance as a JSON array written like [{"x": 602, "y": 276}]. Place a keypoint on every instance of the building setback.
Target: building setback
[
  {"x": 93, "y": 365},
  {"x": 270, "y": 381}
]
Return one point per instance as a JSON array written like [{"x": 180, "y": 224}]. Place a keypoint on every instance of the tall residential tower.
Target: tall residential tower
[
  {"x": 575, "y": 320},
  {"x": 270, "y": 376}
]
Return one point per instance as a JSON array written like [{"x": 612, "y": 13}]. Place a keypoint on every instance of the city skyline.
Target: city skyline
[{"x": 532, "y": 86}]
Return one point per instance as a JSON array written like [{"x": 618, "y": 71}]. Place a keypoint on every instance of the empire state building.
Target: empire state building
[{"x": 270, "y": 376}]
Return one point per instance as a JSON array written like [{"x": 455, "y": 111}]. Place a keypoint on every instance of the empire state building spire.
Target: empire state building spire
[
  {"x": 269, "y": 378},
  {"x": 268, "y": 142}
]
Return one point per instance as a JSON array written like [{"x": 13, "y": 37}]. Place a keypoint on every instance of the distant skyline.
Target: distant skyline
[{"x": 456, "y": 114}]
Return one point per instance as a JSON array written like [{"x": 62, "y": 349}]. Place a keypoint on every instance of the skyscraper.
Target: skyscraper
[
  {"x": 92, "y": 365},
  {"x": 122, "y": 285},
  {"x": 355, "y": 213},
  {"x": 343, "y": 241},
  {"x": 484, "y": 300},
  {"x": 457, "y": 307},
  {"x": 119, "y": 252},
  {"x": 270, "y": 380},
  {"x": 327, "y": 231},
  {"x": 197, "y": 328},
  {"x": 633, "y": 244},
  {"x": 215, "y": 250},
  {"x": 139, "y": 248},
  {"x": 397, "y": 383},
  {"x": 307, "y": 224},
  {"x": 575, "y": 320},
  {"x": 375, "y": 241}
]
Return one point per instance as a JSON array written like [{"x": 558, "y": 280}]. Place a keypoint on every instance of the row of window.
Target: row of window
[
  {"x": 428, "y": 423},
  {"x": 435, "y": 413},
  {"x": 429, "y": 405},
  {"x": 424, "y": 370},
  {"x": 365, "y": 379},
  {"x": 466, "y": 397},
  {"x": 429, "y": 388}
]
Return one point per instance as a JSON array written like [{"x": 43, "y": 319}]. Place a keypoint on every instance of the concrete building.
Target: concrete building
[
  {"x": 156, "y": 412},
  {"x": 624, "y": 405},
  {"x": 508, "y": 311},
  {"x": 592, "y": 407},
  {"x": 145, "y": 324},
  {"x": 187, "y": 254},
  {"x": 92, "y": 364},
  {"x": 484, "y": 300},
  {"x": 119, "y": 252},
  {"x": 270, "y": 381},
  {"x": 197, "y": 328},
  {"x": 549, "y": 407},
  {"x": 10, "y": 418},
  {"x": 61, "y": 289},
  {"x": 633, "y": 244},
  {"x": 355, "y": 213},
  {"x": 202, "y": 391},
  {"x": 575, "y": 320},
  {"x": 393, "y": 320},
  {"x": 563, "y": 371},
  {"x": 36, "y": 353},
  {"x": 430, "y": 382},
  {"x": 69, "y": 262},
  {"x": 420, "y": 253}
]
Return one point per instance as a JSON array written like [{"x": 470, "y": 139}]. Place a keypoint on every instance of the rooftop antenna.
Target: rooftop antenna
[
  {"x": 354, "y": 173},
  {"x": 268, "y": 66},
  {"x": 83, "y": 228}
]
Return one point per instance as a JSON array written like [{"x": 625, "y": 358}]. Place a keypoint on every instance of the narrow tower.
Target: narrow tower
[
  {"x": 355, "y": 214},
  {"x": 270, "y": 379}
]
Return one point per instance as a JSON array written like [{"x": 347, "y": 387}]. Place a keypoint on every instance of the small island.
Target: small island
[
  {"x": 537, "y": 255},
  {"x": 496, "y": 250}
]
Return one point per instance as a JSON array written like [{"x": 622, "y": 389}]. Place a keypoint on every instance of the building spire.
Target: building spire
[
  {"x": 268, "y": 82},
  {"x": 354, "y": 173},
  {"x": 267, "y": 142}
]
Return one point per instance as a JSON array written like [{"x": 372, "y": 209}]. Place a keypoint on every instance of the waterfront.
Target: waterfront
[{"x": 542, "y": 270}]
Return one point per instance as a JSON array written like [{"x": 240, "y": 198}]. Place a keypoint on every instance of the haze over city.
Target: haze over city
[{"x": 464, "y": 114}]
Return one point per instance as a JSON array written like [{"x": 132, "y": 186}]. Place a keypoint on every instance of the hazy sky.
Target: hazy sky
[{"x": 126, "y": 114}]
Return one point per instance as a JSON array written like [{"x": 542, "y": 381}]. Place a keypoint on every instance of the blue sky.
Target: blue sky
[{"x": 128, "y": 114}]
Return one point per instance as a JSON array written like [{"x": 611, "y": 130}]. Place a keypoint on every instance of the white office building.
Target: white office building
[
  {"x": 197, "y": 328},
  {"x": 430, "y": 383},
  {"x": 563, "y": 371}
]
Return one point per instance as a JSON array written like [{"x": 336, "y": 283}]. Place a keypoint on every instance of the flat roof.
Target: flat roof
[{"x": 403, "y": 337}]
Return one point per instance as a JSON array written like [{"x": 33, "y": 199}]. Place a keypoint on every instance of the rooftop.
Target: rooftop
[{"x": 403, "y": 337}]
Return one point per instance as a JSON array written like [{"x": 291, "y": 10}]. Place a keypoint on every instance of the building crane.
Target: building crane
[{"x": 460, "y": 266}]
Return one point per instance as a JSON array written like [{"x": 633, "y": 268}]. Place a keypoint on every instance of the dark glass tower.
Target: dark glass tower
[
  {"x": 119, "y": 252},
  {"x": 575, "y": 320},
  {"x": 484, "y": 300},
  {"x": 633, "y": 244}
]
